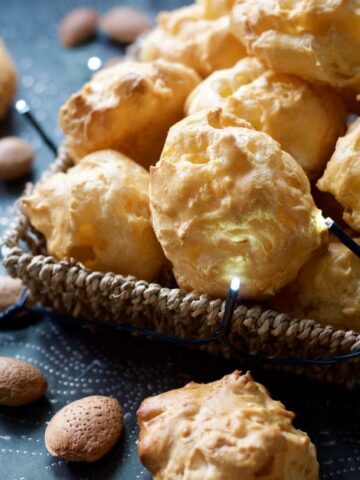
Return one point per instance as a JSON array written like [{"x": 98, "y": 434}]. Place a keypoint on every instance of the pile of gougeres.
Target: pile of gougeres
[{"x": 239, "y": 109}]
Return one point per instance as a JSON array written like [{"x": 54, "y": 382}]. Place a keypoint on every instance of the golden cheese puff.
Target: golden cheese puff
[
  {"x": 342, "y": 175},
  {"x": 215, "y": 8},
  {"x": 98, "y": 213},
  {"x": 197, "y": 35},
  {"x": 227, "y": 202},
  {"x": 128, "y": 107},
  {"x": 327, "y": 289},
  {"x": 222, "y": 84},
  {"x": 305, "y": 119},
  {"x": 7, "y": 80},
  {"x": 318, "y": 40},
  {"x": 225, "y": 430}
]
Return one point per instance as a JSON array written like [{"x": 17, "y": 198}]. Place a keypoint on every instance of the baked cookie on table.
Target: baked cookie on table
[{"x": 228, "y": 429}]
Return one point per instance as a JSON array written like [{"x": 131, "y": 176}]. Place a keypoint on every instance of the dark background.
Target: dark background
[{"x": 80, "y": 360}]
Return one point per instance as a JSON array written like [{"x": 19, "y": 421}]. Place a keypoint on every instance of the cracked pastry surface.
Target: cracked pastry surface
[
  {"x": 305, "y": 119},
  {"x": 223, "y": 430},
  {"x": 314, "y": 39},
  {"x": 98, "y": 213},
  {"x": 197, "y": 35},
  {"x": 7, "y": 79},
  {"x": 128, "y": 107},
  {"x": 227, "y": 201},
  {"x": 342, "y": 175},
  {"x": 327, "y": 289}
]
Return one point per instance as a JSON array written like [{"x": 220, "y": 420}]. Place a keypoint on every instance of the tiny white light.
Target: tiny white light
[
  {"x": 22, "y": 106},
  {"x": 94, "y": 63},
  {"x": 329, "y": 222},
  {"x": 235, "y": 284}
]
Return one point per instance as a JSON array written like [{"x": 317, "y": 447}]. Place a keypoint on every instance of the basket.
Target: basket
[{"x": 72, "y": 290}]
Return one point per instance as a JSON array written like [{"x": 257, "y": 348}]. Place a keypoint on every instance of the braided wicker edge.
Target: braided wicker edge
[{"x": 70, "y": 289}]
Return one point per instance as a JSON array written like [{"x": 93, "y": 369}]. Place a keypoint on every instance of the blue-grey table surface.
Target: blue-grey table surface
[{"x": 80, "y": 360}]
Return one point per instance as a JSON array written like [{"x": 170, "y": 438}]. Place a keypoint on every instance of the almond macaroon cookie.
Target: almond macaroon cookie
[
  {"x": 228, "y": 429},
  {"x": 305, "y": 119},
  {"x": 228, "y": 202},
  {"x": 7, "y": 80},
  {"x": 197, "y": 35},
  {"x": 128, "y": 107},
  {"x": 98, "y": 213},
  {"x": 312, "y": 39}
]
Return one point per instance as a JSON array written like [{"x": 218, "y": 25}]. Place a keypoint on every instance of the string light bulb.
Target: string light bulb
[{"x": 94, "y": 64}]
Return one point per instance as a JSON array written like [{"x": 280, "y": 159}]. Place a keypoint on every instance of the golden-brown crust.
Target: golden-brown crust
[
  {"x": 305, "y": 119},
  {"x": 227, "y": 201},
  {"x": 7, "y": 79},
  {"x": 98, "y": 213},
  {"x": 314, "y": 39},
  {"x": 128, "y": 107},
  {"x": 230, "y": 428},
  {"x": 342, "y": 175},
  {"x": 197, "y": 35},
  {"x": 327, "y": 289},
  {"x": 215, "y": 89}
]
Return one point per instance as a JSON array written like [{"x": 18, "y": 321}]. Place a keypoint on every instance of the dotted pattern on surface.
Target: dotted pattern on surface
[{"x": 81, "y": 361}]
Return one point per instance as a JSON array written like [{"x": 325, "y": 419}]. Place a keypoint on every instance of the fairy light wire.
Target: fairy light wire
[
  {"x": 335, "y": 229},
  {"x": 223, "y": 334},
  {"x": 23, "y": 108}
]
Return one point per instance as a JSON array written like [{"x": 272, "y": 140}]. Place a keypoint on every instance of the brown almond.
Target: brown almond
[
  {"x": 78, "y": 26},
  {"x": 124, "y": 24},
  {"x": 85, "y": 430},
  {"x": 20, "y": 382},
  {"x": 10, "y": 289},
  {"x": 16, "y": 158}
]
